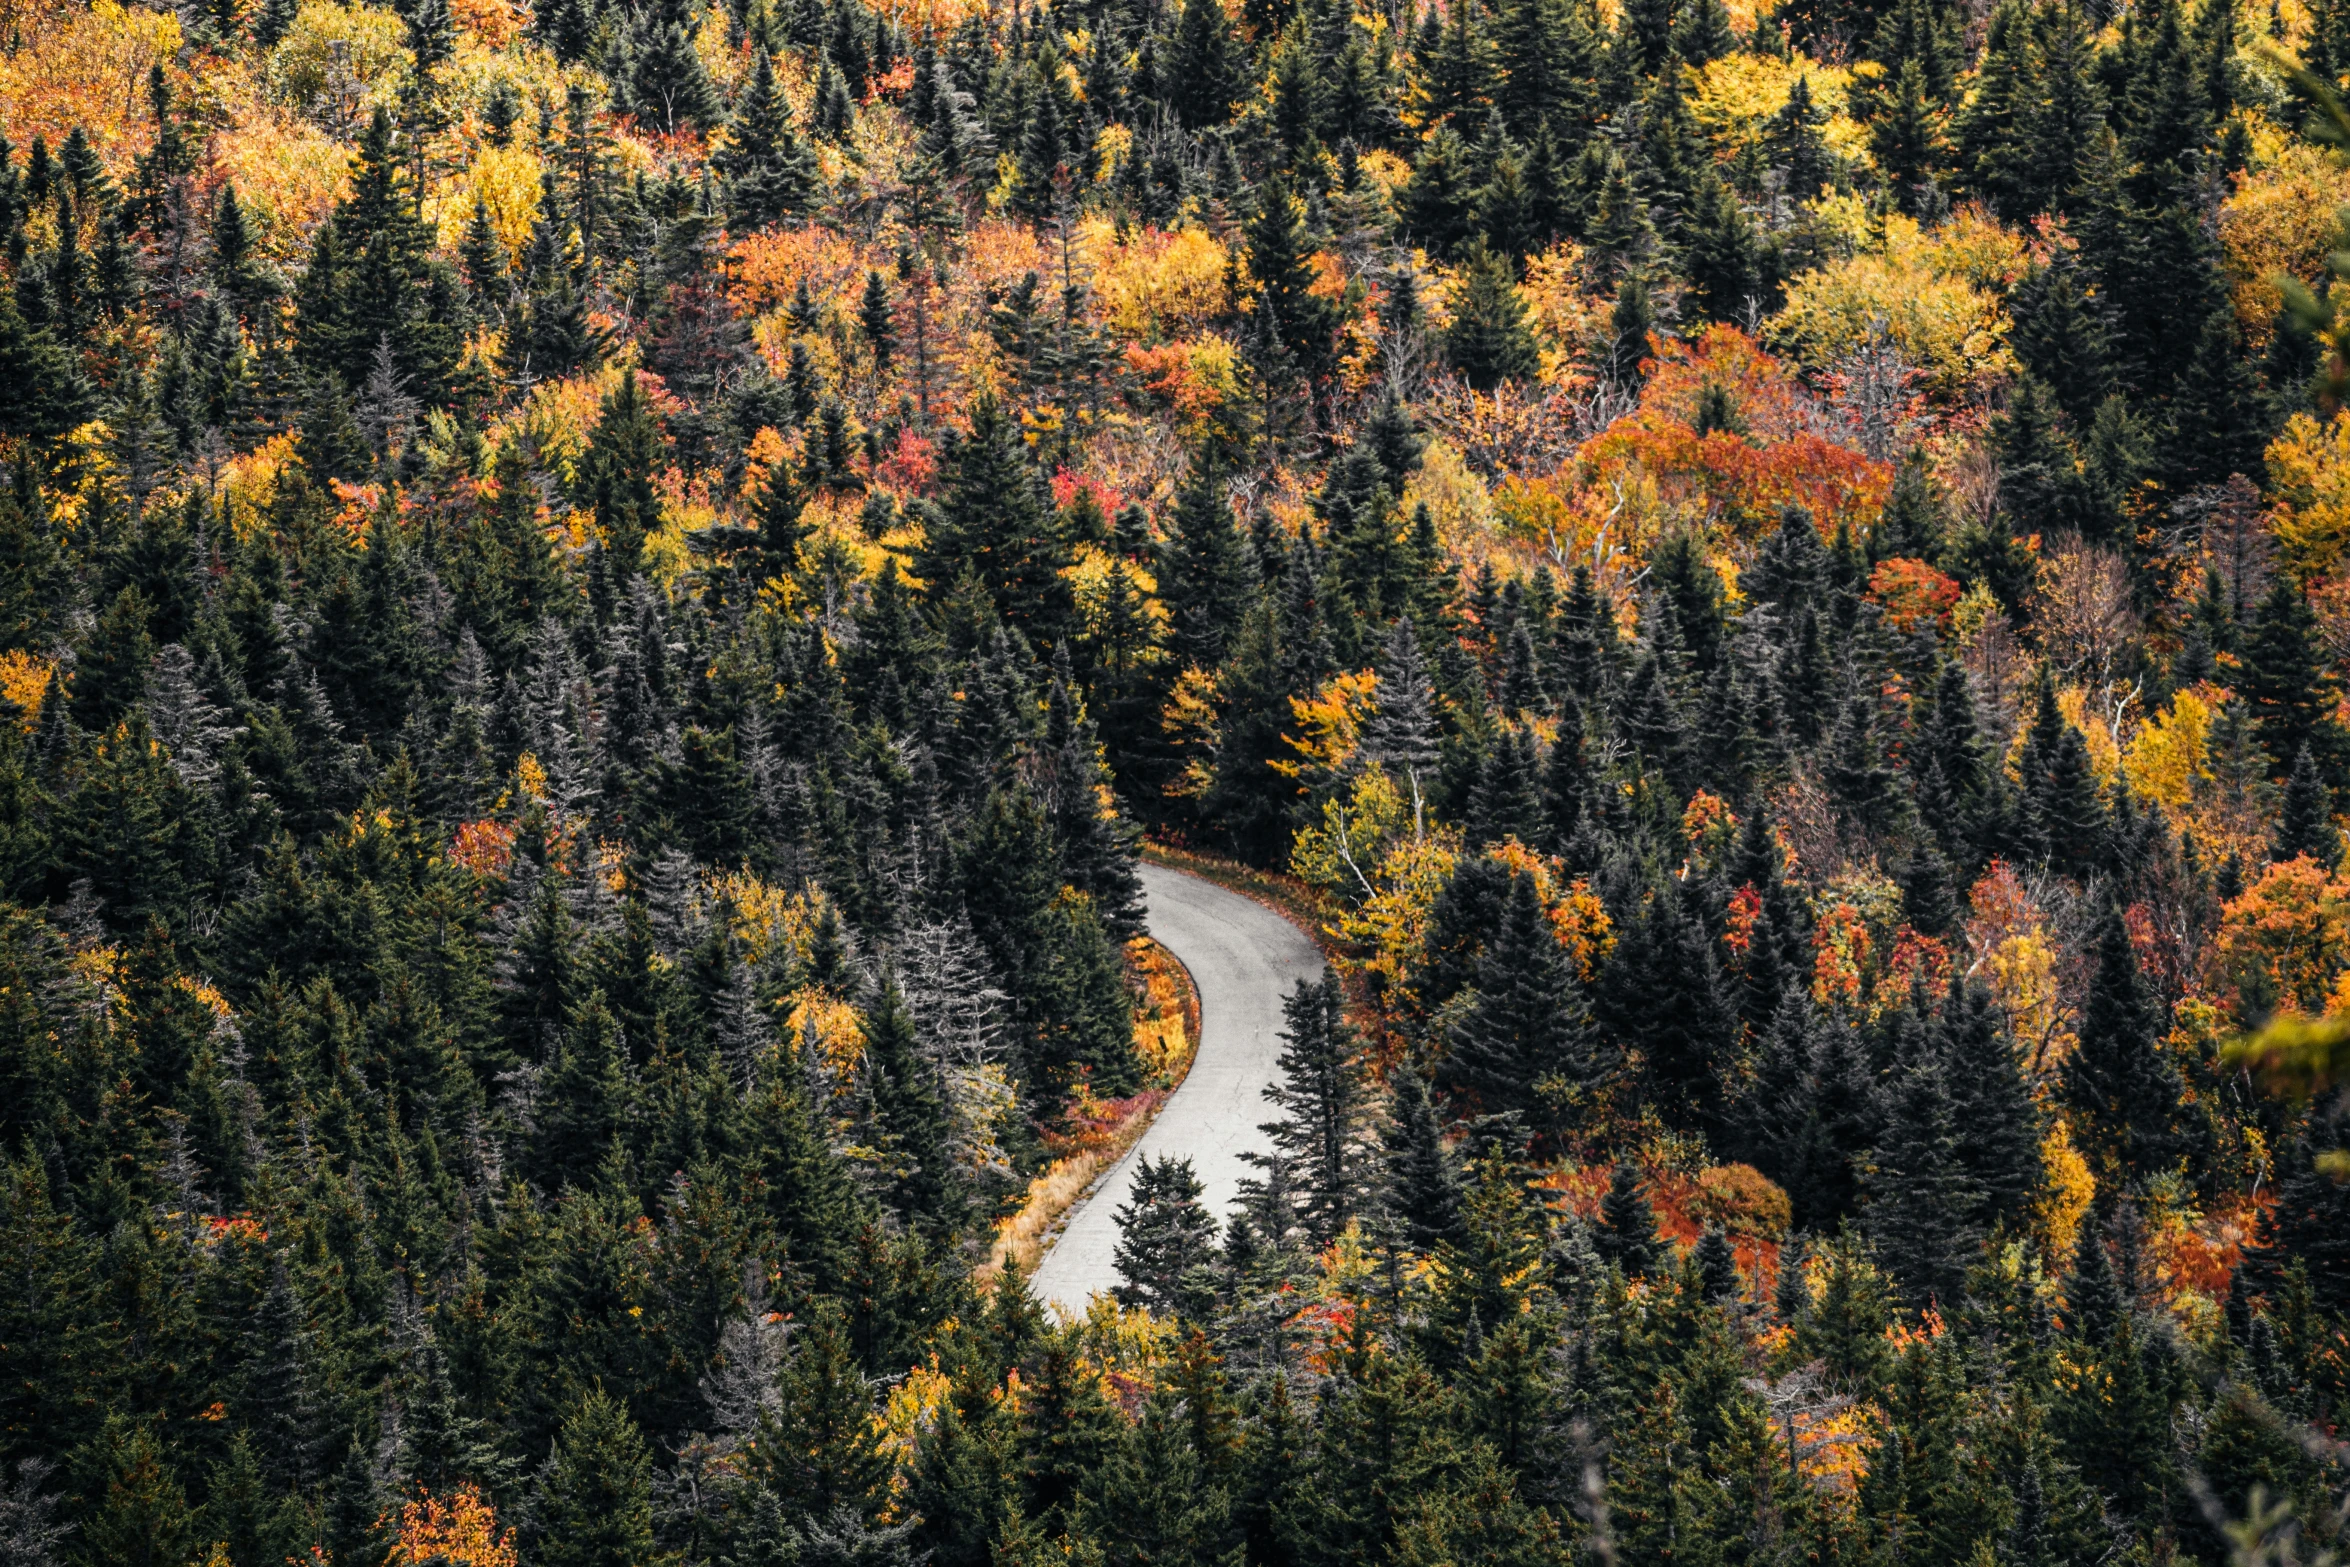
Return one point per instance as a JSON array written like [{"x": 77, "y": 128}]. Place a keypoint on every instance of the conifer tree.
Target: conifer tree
[
  {"x": 2288, "y": 685},
  {"x": 819, "y": 1452},
  {"x": 769, "y": 170},
  {"x": 1922, "y": 1202},
  {"x": 2116, "y": 1077},
  {"x": 622, "y": 458},
  {"x": 1661, "y": 998},
  {"x": 1524, "y": 1047},
  {"x": 1792, "y": 141},
  {"x": 1166, "y": 1241},
  {"x": 1322, "y": 1096},
  {"x": 1204, "y": 580},
  {"x": 1490, "y": 340},
  {"x": 1305, "y": 323},
  {"x": 2061, "y": 804},
  {"x": 995, "y": 526},
  {"x": 2307, "y": 823},
  {"x": 1097, "y": 846},
  {"x": 594, "y": 1505},
  {"x": 1423, "y": 1179},
  {"x": 1202, "y": 69},
  {"x": 1998, "y": 1119},
  {"x": 1626, "y": 1236},
  {"x": 911, "y": 1113}
]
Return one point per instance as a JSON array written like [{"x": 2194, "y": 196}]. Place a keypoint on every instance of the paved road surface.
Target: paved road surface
[{"x": 1245, "y": 959}]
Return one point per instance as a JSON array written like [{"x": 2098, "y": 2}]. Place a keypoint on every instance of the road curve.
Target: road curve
[{"x": 1245, "y": 959}]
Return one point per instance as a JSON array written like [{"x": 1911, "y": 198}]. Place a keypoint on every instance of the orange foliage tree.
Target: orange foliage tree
[
  {"x": 2286, "y": 940},
  {"x": 1785, "y": 454},
  {"x": 456, "y": 1530}
]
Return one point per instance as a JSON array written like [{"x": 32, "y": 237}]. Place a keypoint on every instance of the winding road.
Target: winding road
[{"x": 1244, "y": 959}]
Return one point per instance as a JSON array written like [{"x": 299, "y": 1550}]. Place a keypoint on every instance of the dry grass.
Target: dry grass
[{"x": 1166, "y": 1037}]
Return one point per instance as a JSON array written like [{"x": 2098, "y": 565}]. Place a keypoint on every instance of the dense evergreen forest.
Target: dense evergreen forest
[{"x": 596, "y": 603}]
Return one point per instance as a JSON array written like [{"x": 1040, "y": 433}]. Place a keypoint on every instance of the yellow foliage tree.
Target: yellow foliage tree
[
  {"x": 2309, "y": 472},
  {"x": 86, "y": 67},
  {"x": 2168, "y": 759},
  {"x": 457, "y": 1530},
  {"x": 371, "y": 42},
  {"x": 1936, "y": 296},
  {"x": 1156, "y": 285},
  {"x": 2282, "y": 221}
]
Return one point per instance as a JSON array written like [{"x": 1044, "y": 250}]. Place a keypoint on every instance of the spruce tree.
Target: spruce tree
[
  {"x": 1524, "y": 1047},
  {"x": 1490, "y": 340},
  {"x": 2306, "y": 825},
  {"x": 769, "y": 170},
  {"x": 1204, "y": 579},
  {"x": 819, "y": 1451},
  {"x": 1203, "y": 71},
  {"x": 1922, "y": 1200},
  {"x": 910, "y": 1114},
  {"x": 2289, "y": 685},
  {"x": 594, "y": 1503},
  {"x": 1166, "y": 1240},
  {"x": 1626, "y": 1235},
  {"x": 1423, "y": 1197},
  {"x": 995, "y": 526},
  {"x": 1305, "y": 323},
  {"x": 1323, "y": 1099},
  {"x": 623, "y": 456},
  {"x": 2116, "y": 1077}
]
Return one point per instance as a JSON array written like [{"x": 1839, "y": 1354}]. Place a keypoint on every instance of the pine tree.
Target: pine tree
[
  {"x": 1323, "y": 1099},
  {"x": 2127, "y": 1094},
  {"x": 1438, "y": 206},
  {"x": 1490, "y": 340},
  {"x": 1703, "y": 34},
  {"x": 1524, "y": 1047},
  {"x": 1998, "y": 1118},
  {"x": 1626, "y": 1236},
  {"x": 594, "y": 1503},
  {"x": 2062, "y": 341},
  {"x": 1166, "y": 1241},
  {"x": 2217, "y": 427},
  {"x": 1661, "y": 999},
  {"x": 994, "y": 525},
  {"x": 482, "y": 258},
  {"x": 272, "y": 22},
  {"x": 1423, "y": 1181},
  {"x": 1993, "y": 131},
  {"x": 1097, "y": 845},
  {"x": 1717, "y": 1266}
]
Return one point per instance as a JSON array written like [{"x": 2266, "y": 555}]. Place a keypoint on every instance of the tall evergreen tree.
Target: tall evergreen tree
[{"x": 2116, "y": 1076}]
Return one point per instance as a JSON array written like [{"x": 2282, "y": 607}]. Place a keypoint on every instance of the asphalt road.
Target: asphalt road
[{"x": 1245, "y": 959}]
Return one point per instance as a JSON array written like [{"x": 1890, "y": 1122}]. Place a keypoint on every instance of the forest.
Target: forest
[{"x": 600, "y": 599}]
